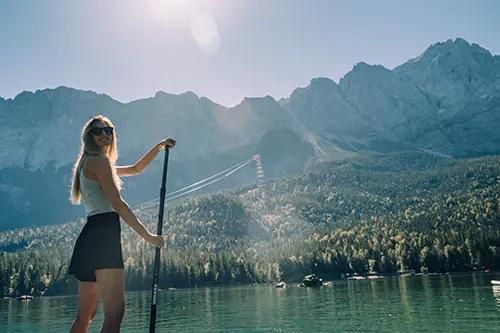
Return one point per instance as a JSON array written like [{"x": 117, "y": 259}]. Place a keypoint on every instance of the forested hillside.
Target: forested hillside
[{"x": 371, "y": 213}]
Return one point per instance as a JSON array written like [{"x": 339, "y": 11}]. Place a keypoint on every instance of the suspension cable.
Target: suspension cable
[
  {"x": 208, "y": 178},
  {"x": 236, "y": 167},
  {"x": 213, "y": 181}
]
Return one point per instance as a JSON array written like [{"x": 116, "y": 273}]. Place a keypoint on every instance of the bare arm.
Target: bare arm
[
  {"x": 139, "y": 166},
  {"x": 101, "y": 168}
]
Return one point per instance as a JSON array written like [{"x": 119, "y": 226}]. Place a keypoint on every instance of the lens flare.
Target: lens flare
[{"x": 204, "y": 32}]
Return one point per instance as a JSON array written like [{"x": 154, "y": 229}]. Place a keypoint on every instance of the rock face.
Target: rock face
[
  {"x": 445, "y": 101},
  {"x": 40, "y": 133},
  {"x": 462, "y": 82}
]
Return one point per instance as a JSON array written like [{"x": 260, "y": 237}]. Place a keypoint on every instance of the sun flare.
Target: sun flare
[
  {"x": 174, "y": 4},
  {"x": 171, "y": 9}
]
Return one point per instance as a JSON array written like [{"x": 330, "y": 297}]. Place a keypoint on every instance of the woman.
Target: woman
[{"x": 97, "y": 257}]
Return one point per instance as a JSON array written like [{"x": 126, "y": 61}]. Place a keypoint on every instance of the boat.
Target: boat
[
  {"x": 495, "y": 282},
  {"x": 24, "y": 297}
]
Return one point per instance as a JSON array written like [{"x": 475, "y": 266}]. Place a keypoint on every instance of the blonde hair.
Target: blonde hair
[{"x": 90, "y": 149}]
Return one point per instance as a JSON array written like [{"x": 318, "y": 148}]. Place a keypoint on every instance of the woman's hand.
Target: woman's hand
[
  {"x": 156, "y": 240},
  {"x": 168, "y": 142}
]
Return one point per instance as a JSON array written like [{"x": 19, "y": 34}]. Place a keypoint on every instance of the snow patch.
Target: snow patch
[{"x": 435, "y": 59}]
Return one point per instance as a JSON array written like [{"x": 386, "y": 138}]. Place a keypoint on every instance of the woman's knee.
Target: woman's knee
[
  {"x": 114, "y": 317},
  {"x": 117, "y": 310}
]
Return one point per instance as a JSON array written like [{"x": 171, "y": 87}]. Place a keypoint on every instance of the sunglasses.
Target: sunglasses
[{"x": 97, "y": 131}]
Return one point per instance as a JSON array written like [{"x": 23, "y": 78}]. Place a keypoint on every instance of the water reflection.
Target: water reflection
[
  {"x": 496, "y": 294},
  {"x": 466, "y": 303}
]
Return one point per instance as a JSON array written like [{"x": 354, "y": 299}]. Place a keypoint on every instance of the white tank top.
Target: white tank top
[{"x": 93, "y": 197}]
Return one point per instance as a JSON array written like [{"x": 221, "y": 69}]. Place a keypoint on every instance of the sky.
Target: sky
[{"x": 221, "y": 49}]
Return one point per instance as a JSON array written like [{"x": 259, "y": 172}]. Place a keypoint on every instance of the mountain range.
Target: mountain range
[{"x": 445, "y": 101}]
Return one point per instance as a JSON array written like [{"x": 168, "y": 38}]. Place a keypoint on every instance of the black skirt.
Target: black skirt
[{"x": 98, "y": 246}]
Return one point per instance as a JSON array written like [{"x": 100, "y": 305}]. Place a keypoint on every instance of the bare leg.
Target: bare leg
[
  {"x": 88, "y": 300},
  {"x": 111, "y": 284}
]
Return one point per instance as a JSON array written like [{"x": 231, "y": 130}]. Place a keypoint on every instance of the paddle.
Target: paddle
[{"x": 154, "y": 298}]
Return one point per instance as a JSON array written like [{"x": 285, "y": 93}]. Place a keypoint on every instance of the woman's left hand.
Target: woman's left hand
[{"x": 168, "y": 142}]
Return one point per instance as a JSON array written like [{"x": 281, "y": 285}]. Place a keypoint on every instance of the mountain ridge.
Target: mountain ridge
[{"x": 448, "y": 105}]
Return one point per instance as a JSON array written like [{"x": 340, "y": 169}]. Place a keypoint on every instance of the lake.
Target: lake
[{"x": 446, "y": 303}]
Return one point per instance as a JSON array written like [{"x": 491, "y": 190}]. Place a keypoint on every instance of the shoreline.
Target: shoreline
[{"x": 288, "y": 284}]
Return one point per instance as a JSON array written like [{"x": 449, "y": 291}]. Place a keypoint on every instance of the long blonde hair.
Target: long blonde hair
[{"x": 89, "y": 149}]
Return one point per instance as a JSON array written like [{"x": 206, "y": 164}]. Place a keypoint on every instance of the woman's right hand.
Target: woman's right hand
[{"x": 156, "y": 240}]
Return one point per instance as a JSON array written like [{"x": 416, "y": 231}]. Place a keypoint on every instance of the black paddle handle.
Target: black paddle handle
[{"x": 156, "y": 273}]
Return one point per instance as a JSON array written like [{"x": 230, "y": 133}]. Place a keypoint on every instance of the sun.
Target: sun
[
  {"x": 174, "y": 5},
  {"x": 165, "y": 13}
]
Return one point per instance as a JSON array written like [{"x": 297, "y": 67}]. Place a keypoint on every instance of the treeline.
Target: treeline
[{"x": 368, "y": 214}]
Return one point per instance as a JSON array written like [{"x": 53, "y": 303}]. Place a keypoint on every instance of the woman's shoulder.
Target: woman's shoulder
[
  {"x": 97, "y": 161},
  {"x": 97, "y": 158}
]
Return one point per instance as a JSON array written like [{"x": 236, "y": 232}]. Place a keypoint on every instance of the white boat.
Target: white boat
[{"x": 497, "y": 282}]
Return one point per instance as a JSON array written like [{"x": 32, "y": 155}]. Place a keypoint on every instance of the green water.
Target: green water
[{"x": 448, "y": 303}]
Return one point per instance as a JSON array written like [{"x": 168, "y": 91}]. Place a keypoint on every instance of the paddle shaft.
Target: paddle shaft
[{"x": 156, "y": 273}]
